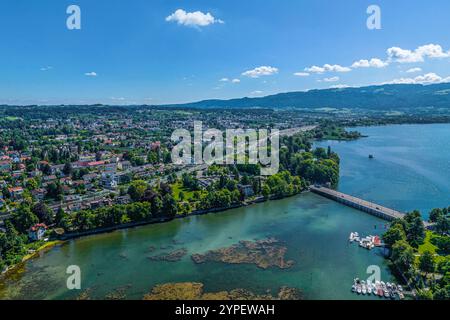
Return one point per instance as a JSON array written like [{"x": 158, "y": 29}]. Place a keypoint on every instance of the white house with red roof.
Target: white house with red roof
[{"x": 37, "y": 232}]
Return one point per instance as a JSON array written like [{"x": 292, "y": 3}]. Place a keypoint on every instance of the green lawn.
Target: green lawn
[
  {"x": 11, "y": 118},
  {"x": 177, "y": 188},
  {"x": 428, "y": 246}
]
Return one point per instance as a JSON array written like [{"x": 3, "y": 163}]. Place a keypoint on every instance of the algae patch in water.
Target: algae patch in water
[
  {"x": 195, "y": 291},
  {"x": 172, "y": 256},
  {"x": 264, "y": 253}
]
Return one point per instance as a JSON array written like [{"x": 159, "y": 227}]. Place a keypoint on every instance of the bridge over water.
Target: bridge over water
[{"x": 360, "y": 204}]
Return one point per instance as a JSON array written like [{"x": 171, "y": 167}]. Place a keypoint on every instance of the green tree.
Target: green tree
[
  {"x": 23, "y": 218},
  {"x": 11, "y": 245},
  {"x": 67, "y": 170},
  {"x": 415, "y": 232},
  {"x": 403, "y": 256},
  {"x": 442, "y": 293},
  {"x": 394, "y": 234},
  {"x": 55, "y": 191},
  {"x": 169, "y": 205},
  {"x": 426, "y": 262},
  {"x": 435, "y": 214},
  {"x": 153, "y": 157},
  {"x": 62, "y": 219},
  {"x": 32, "y": 184},
  {"x": 44, "y": 213},
  {"x": 137, "y": 189},
  {"x": 266, "y": 191},
  {"x": 442, "y": 224},
  {"x": 424, "y": 294}
]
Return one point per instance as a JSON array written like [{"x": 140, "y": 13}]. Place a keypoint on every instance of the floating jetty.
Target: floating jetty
[
  {"x": 368, "y": 242},
  {"x": 360, "y": 204}
]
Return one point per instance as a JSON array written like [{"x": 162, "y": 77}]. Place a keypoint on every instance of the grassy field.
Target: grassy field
[
  {"x": 428, "y": 246},
  {"x": 12, "y": 118},
  {"x": 177, "y": 188}
]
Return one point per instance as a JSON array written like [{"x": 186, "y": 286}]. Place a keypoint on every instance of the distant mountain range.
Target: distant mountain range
[{"x": 383, "y": 97}]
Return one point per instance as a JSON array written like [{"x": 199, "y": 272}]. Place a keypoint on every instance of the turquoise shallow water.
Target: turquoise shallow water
[
  {"x": 406, "y": 175},
  {"x": 410, "y": 169},
  {"x": 314, "y": 230}
]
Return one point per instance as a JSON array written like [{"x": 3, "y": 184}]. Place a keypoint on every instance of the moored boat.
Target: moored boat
[{"x": 380, "y": 292}]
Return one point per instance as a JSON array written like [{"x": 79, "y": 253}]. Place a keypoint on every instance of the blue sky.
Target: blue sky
[{"x": 130, "y": 51}]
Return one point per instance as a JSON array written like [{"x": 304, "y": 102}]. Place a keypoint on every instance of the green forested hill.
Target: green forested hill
[{"x": 373, "y": 97}]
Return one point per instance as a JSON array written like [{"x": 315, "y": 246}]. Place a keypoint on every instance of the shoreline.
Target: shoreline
[
  {"x": 66, "y": 237},
  {"x": 75, "y": 235},
  {"x": 47, "y": 246},
  {"x": 70, "y": 236}
]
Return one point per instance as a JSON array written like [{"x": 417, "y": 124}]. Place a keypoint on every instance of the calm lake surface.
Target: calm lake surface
[{"x": 410, "y": 170}]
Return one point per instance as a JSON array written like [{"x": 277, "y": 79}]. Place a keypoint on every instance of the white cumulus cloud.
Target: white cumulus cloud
[
  {"x": 235, "y": 81},
  {"x": 260, "y": 71},
  {"x": 301, "y": 74},
  {"x": 192, "y": 19},
  {"x": 91, "y": 74},
  {"x": 428, "y": 78},
  {"x": 340, "y": 86},
  {"x": 431, "y": 51},
  {"x": 332, "y": 79},
  {"x": 327, "y": 68},
  {"x": 414, "y": 70},
  {"x": 372, "y": 63}
]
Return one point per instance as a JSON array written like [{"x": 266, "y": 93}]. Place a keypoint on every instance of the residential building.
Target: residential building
[{"x": 37, "y": 232}]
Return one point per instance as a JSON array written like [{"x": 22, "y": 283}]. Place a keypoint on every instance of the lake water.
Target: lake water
[
  {"x": 413, "y": 164},
  {"x": 410, "y": 169}
]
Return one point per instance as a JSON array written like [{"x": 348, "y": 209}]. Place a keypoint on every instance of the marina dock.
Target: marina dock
[{"x": 360, "y": 204}]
